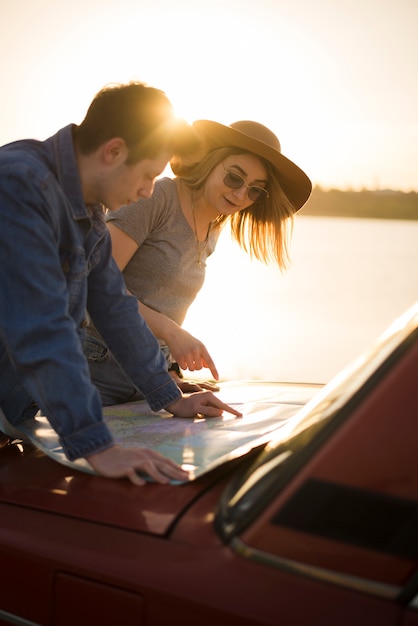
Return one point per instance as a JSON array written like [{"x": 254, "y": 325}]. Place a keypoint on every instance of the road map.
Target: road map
[{"x": 200, "y": 444}]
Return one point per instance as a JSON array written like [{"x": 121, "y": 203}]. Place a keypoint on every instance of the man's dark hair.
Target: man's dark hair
[{"x": 141, "y": 115}]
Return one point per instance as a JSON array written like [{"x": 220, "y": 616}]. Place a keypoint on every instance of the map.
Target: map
[{"x": 199, "y": 444}]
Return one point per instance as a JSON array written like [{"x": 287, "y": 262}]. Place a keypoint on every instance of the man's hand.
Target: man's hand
[
  {"x": 200, "y": 403},
  {"x": 190, "y": 386},
  {"x": 119, "y": 462}
]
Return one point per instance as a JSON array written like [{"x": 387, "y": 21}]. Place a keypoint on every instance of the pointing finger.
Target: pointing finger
[{"x": 213, "y": 401}]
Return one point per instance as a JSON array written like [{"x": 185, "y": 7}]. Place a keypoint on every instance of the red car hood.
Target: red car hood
[{"x": 30, "y": 479}]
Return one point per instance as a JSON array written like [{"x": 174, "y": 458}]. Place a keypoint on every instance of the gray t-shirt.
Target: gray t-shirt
[{"x": 163, "y": 273}]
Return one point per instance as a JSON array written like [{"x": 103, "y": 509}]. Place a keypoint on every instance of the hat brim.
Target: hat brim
[{"x": 294, "y": 182}]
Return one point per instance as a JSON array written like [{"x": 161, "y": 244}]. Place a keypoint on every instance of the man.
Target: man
[{"x": 56, "y": 264}]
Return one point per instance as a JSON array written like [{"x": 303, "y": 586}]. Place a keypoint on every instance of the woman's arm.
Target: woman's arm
[
  {"x": 123, "y": 246},
  {"x": 189, "y": 352},
  {"x": 123, "y": 249}
]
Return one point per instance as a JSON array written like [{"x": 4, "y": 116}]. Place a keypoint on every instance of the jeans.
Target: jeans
[{"x": 114, "y": 386}]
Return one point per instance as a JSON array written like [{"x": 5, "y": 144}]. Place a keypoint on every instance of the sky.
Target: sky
[{"x": 336, "y": 80}]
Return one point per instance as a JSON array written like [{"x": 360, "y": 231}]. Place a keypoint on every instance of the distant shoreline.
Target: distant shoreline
[{"x": 381, "y": 204}]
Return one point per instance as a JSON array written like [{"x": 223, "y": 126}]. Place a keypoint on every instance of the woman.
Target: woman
[{"x": 161, "y": 244}]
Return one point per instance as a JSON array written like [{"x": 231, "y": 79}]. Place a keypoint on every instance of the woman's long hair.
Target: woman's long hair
[{"x": 264, "y": 229}]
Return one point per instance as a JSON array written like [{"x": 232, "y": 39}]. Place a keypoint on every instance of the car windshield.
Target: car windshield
[{"x": 293, "y": 443}]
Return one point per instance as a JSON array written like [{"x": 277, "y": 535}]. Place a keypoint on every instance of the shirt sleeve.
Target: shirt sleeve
[{"x": 40, "y": 336}]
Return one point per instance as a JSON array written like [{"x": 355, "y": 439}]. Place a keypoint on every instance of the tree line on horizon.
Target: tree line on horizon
[{"x": 378, "y": 204}]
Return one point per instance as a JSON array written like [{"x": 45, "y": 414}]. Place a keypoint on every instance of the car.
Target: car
[{"x": 314, "y": 523}]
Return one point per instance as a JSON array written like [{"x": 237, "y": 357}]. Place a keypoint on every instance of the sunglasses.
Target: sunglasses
[{"x": 236, "y": 181}]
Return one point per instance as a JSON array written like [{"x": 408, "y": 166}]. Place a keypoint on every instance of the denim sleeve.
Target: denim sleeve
[
  {"x": 39, "y": 337},
  {"x": 116, "y": 317}
]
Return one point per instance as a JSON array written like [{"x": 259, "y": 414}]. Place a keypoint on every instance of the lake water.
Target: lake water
[{"x": 348, "y": 281}]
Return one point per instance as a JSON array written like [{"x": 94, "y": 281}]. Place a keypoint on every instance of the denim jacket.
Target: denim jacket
[{"x": 56, "y": 265}]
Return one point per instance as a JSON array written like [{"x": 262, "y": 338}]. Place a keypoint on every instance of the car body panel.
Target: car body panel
[
  {"x": 176, "y": 581},
  {"x": 29, "y": 478},
  {"x": 375, "y": 467}
]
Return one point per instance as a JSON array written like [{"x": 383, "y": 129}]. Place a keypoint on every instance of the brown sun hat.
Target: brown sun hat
[{"x": 258, "y": 139}]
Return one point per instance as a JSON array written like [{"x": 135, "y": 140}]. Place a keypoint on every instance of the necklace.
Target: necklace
[{"x": 200, "y": 245}]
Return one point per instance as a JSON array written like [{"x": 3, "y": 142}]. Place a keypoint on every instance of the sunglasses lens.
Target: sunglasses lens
[
  {"x": 257, "y": 193},
  {"x": 233, "y": 181}
]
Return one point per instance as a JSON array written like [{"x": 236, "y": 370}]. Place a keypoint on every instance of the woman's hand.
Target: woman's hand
[
  {"x": 201, "y": 403},
  {"x": 120, "y": 462},
  {"x": 190, "y": 353}
]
